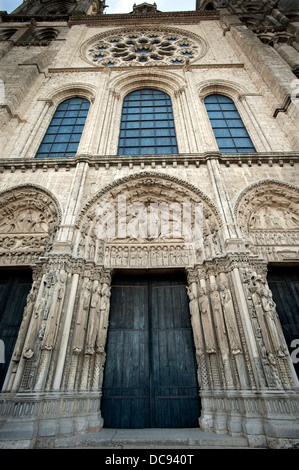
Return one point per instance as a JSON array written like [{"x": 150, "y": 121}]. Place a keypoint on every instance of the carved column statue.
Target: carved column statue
[
  {"x": 100, "y": 357},
  {"x": 91, "y": 330},
  {"x": 27, "y": 316},
  {"x": 220, "y": 331},
  {"x": 208, "y": 332},
  {"x": 192, "y": 291},
  {"x": 204, "y": 308},
  {"x": 229, "y": 315},
  {"x": 94, "y": 318},
  {"x": 273, "y": 350},
  {"x": 50, "y": 322},
  {"x": 232, "y": 328},
  {"x": 80, "y": 328}
]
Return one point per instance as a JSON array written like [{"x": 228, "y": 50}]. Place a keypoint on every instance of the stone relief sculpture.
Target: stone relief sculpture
[
  {"x": 230, "y": 318},
  {"x": 94, "y": 318},
  {"x": 148, "y": 221},
  {"x": 37, "y": 326},
  {"x": 54, "y": 315},
  {"x": 271, "y": 316},
  {"x": 221, "y": 332},
  {"x": 267, "y": 329},
  {"x": 195, "y": 320},
  {"x": 265, "y": 311},
  {"x": 104, "y": 312},
  {"x": 28, "y": 220},
  {"x": 268, "y": 216},
  {"x": 204, "y": 308},
  {"x": 27, "y": 315},
  {"x": 82, "y": 317}
]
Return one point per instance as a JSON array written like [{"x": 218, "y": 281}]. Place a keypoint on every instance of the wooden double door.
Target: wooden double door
[
  {"x": 284, "y": 284},
  {"x": 150, "y": 377},
  {"x": 14, "y": 288}
]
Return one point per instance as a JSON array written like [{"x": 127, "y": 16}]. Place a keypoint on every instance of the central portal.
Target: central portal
[{"x": 150, "y": 378}]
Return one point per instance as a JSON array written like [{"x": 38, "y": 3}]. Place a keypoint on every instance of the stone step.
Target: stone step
[{"x": 148, "y": 439}]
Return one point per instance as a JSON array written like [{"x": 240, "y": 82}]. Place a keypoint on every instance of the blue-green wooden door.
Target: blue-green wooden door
[
  {"x": 150, "y": 377},
  {"x": 284, "y": 284},
  {"x": 14, "y": 288}
]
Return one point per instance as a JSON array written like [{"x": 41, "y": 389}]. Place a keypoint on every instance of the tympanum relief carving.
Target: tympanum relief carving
[
  {"x": 148, "y": 222},
  {"x": 28, "y": 218},
  {"x": 268, "y": 215}
]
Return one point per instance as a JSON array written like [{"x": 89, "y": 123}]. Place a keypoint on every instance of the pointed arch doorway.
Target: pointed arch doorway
[{"x": 150, "y": 377}]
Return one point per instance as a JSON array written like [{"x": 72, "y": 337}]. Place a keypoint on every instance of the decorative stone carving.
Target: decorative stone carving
[
  {"x": 143, "y": 46},
  {"x": 53, "y": 318},
  {"x": 28, "y": 219},
  {"x": 204, "y": 308},
  {"x": 230, "y": 318},
  {"x": 27, "y": 315},
  {"x": 94, "y": 318},
  {"x": 148, "y": 221},
  {"x": 267, "y": 329},
  {"x": 268, "y": 215}
]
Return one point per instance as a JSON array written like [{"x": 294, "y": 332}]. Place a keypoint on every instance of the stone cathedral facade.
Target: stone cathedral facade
[{"x": 107, "y": 122}]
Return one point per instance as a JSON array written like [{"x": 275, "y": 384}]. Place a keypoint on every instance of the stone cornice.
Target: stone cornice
[
  {"x": 146, "y": 161},
  {"x": 159, "y": 17},
  {"x": 149, "y": 67},
  {"x": 115, "y": 19}
]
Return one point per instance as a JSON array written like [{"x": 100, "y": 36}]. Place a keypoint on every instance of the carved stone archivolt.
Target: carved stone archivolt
[
  {"x": 148, "y": 221},
  {"x": 268, "y": 215},
  {"x": 28, "y": 220},
  {"x": 143, "y": 46}
]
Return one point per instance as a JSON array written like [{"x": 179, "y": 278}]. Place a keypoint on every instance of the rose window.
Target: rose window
[{"x": 143, "y": 48}]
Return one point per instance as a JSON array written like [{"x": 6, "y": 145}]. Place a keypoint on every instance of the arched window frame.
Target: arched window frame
[
  {"x": 244, "y": 101},
  {"x": 44, "y": 108},
  {"x": 68, "y": 140},
  {"x": 246, "y": 132},
  {"x": 155, "y": 137},
  {"x": 108, "y": 122}
]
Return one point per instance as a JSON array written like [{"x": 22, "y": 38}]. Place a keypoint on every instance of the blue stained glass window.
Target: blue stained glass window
[
  {"x": 228, "y": 127},
  {"x": 147, "y": 125},
  {"x": 64, "y": 132}
]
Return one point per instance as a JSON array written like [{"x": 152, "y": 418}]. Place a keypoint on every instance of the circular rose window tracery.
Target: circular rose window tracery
[{"x": 143, "y": 47}]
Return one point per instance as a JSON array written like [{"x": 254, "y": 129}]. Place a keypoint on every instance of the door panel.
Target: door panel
[
  {"x": 174, "y": 390},
  {"x": 150, "y": 374},
  {"x": 284, "y": 284},
  {"x": 14, "y": 288},
  {"x": 125, "y": 394}
]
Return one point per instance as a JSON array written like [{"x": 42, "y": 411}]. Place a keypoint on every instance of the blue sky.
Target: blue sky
[{"x": 119, "y": 6}]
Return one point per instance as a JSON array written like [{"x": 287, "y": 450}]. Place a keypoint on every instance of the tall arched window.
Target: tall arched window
[
  {"x": 147, "y": 125},
  {"x": 64, "y": 132},
  {"x": 228, "y": 127}
]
